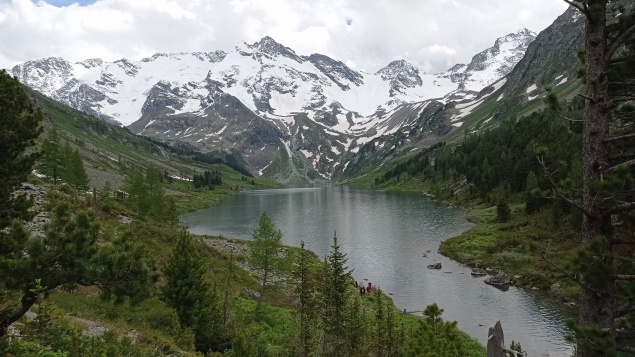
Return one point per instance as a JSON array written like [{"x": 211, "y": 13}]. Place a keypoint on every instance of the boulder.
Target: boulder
[
  {"x": 251, "y": 293},
  {"x": 434, "y": 266},
  {"x": 499, "y": 279},
  {"x": 478, "y": 272}
]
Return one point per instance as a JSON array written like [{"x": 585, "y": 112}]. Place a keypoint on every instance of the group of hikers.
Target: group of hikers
[{"x": 363, "y": 290}]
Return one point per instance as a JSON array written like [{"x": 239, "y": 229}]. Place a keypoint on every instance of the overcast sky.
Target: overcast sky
[{"x": 365, "y": 34}]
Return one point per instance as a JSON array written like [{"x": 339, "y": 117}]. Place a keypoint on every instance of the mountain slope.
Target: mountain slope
[{"x": 256, "y": 99}]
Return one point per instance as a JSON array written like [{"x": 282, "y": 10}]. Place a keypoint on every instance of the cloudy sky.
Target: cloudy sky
[{"x": 365, "y": 34}]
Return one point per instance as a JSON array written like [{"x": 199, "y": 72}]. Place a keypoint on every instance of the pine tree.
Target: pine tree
[
  {"x": 386, "y": 335},
  {"x": 69, "y": 254},
  {"x": 608, "y": 193},
  {"x": 266, "y": 246},
  {"x": 357, "y": 335},
  {"x": 138, "y": 197},
  {"x": 19, "y": 127},
  {"x": 52, "y": 162},
  {"x": 335, "y": 296},
  {"x": 305, "y": 293},
  {"x": 74, "y": 172},
  {"x": 187, "y": 291}
]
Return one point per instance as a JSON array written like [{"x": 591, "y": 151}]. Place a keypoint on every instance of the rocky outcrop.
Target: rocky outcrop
[{"x": 499, "y": 279}]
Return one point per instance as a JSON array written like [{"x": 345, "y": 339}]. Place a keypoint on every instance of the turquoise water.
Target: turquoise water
[{"x": 385, "y": 236}]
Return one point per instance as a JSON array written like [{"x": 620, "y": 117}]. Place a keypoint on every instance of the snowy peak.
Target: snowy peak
[
  {"x": 269, "y": 46},
  {"x": 493, "y": 63},
  {"x": 337, "y": 71},
  {"x": 211, "y": 57},
  {"x": 46, "y": 75},
  {"x": 401, "y": 75}
]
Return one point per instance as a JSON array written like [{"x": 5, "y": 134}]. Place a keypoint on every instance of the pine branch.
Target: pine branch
[
  {"x": 618, "y": 41},
  {"x": 587, "y": 98},
  {"x": 628, "y": 98},
  {"x": 572, "y": 202},
  {"x": 559, "y": 113},
  {"x": 624, "y": 277},
  {"x": 622, "y": 156},
  {"x": 620, "y": 208},
  {"x": 628, "y": 163},
  {"x": 620, "y": 137},
  {"x": 619, "y": 60},
  {"x": 543, "y": 256},
  {"x": 580, "y": 8}
]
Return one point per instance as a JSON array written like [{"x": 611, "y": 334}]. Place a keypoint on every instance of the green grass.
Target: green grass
[{"x": 516, "y": 247}]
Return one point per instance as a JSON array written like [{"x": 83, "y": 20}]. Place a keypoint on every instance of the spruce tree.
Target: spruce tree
[
  {"x": 188, "y": 292},
  {"x": 358, "y": 341},
  {"x": 266, "y": 247},
  {"x": 335, "y": 296},
  {"x": 305, "y": 293}
]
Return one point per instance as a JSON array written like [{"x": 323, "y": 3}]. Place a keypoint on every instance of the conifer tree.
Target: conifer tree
[
  {"x": 138, "y": 195},
  {"x": 305, "y": 292},
  {"x": 266, "y": 246},
  {"x": 20, "y": 125},
  {"x": 187, "y": 291},
  {"x": 68, "y": 255},
  {"x": 605, "y": 269},
  {"x": 74, "y": 172},
  {"x": 52, "y": 163},
  {"x": 386, "y": 339},
  {"x": 357, "y": 333},
  {"x": 335, "y": 296}
]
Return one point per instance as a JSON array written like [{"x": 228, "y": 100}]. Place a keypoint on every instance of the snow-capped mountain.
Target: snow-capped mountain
[
  {"x": 494, "y": 62},
  {"x": 313, "y": 107}
]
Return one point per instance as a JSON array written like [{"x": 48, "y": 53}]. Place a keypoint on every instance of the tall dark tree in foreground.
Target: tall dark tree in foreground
[
  {"x": 605, "y": 272},
  {"x": 266, "y": 246},
  {"x": 19, "y": 127}
]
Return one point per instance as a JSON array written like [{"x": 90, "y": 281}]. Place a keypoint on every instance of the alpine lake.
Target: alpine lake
[{"x": 389, "y": 239}]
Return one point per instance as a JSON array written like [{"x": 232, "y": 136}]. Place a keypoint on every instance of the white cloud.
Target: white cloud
[
  {"x": 441, "y": 49},
  {"x": 433, "y": 34}
]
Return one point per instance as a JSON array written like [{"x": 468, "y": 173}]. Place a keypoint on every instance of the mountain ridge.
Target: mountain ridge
[{"x": 267, "y": 85}]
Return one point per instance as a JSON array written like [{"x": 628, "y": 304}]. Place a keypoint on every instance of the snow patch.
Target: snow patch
[{"x": 531, "y": 88}]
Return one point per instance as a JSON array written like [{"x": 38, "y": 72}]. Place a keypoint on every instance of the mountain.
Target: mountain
[{"x": 289, "y": 116}]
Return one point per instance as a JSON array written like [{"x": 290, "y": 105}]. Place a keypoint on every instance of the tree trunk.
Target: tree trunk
[
  {"x": 28, "y": 299},
  {"x": 262, "y": 288},
  {"x": 595, "y": 305}
]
